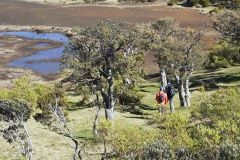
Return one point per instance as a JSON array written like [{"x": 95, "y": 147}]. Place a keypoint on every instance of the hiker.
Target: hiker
[
  {"x": 162, "y": 99},
  {"x": 170, "y": 94}
]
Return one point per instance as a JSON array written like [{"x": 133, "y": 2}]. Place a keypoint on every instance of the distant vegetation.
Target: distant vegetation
[{"x": 103, "y": 64}]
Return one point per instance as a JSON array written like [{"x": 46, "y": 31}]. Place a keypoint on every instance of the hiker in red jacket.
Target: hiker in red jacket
[{"x": 162, "y": 99}]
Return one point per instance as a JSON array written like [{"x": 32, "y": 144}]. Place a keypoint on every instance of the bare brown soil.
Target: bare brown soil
[{"x": 20, "y": 15}]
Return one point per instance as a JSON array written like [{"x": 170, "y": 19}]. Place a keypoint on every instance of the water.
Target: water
[
  {"x": 51, "y": 36},
  {"x": 36, "y": 61},
  {"x": 41, "y": 45}
]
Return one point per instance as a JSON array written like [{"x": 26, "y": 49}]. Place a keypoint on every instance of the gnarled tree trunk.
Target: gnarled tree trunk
[{"x": 181, "y": 91}]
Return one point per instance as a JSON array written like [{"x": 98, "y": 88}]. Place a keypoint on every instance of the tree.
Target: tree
[
  {"x": 230, "y": 4},
  {"x": 65, "y": 128},
  {"x": 98, "y": 56},
  {"x": 165, "y": 28},
  {"x": 179, "y": 51},
  {"x": 13, "y": 115},
  {"x": 228, "y": 23}
]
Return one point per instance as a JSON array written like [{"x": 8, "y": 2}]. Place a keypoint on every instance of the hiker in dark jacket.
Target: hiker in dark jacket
[{"x": 170, "y": 94}]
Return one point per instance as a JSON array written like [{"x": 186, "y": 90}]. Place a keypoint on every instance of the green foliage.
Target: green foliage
[
  {"x": 22, "y": 91},
  {"x": 175, "y": 132},
  {"x": 223, "y": 55},
  {"x": 37, "y": 96},
  {"x": 157, "y": 150},
  {"x": 173, "y": 2},
  {"x": 205, "y": 3},
  {"x": 228, "y": 150},
  {"x": 185, "y": 154},
  {"x": 128, "y": 93},
  {"x": 10, "y": 110},
  {"x": 192, "y": 2},
  {"x": 232, "y": 5},
  {"x": 228, "y": 23},
  {"x": 49, "y": 96},
  {"x": 205, "y": 137},
  {"x": 214, "y": 10},
  {"x": 105, "y": 59},
  {"x": 125, "y": 139},
  {"x": 13, "y": 115},
  {"x": 220, "y": 115}
]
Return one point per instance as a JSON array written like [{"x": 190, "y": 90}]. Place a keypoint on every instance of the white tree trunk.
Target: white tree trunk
[
  {"x": 109, "y": 113},
  {"x": 181, "y": 91},
  {"x": 95, "y": 131},
  {"x": 163, "y": 78},
  {"x": 187, "y": 93}
]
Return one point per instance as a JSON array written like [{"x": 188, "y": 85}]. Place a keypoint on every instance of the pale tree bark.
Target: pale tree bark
[
  {"x": 181, "y": 91},
  {"x": 163, "y": 77},
  {"x": 13, "y": 115},
  {"x": 19, "y": 136},
  {"x": 187, "y": 92},
  {"x": 108, "y": 97},
  {"x": 95, "y": 131},
  {"x": 109, "y": 112},
  {"x": 108, "y": 103},
  {"x": 64, "y": 128}
]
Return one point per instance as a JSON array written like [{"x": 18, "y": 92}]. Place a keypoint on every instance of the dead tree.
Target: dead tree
[
  {"x": 13, "y": 115},
  {"x": 65, "y": 129}
]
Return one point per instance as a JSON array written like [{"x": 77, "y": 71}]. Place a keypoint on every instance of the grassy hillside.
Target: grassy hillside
[{"x": 50, "y": 145}]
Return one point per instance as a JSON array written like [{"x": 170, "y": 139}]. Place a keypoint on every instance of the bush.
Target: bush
[
  {"x": 185, "y": 154},
  {"x": 22, "y": 90},
  {"x": 191, "y": 3},
  {"x": 229, "y": 150},
  {"x": 127, "y": 141},
  {"x": 221, "y": 114},
  {"x": 170, "y": 3},
  {"x": 215, "y": 10},
  {"x": 205, "y": 3},
  {"x": 176, "y": 133},
  {"x": 223, "y": 55},
  {"x": 157, "y": 150}
]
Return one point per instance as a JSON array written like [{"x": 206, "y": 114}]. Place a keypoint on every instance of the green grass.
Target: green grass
[
  {"x": 223, "y": 77},
  {"x": 50, "y": 145}
]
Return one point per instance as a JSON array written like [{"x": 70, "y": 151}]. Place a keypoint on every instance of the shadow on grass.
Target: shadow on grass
[
  {"x": 227, "y": 76},
  {"x": 137, "y": 111},
  {"x": 77, "y": 106},
  {"x": 147, "y": 88},
  {"x": 81, "y": 135}
]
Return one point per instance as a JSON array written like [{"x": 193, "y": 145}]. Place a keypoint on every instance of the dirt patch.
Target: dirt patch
[{"x": 60, "y": 16}]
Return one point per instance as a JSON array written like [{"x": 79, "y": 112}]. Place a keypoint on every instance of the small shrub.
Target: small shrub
[
  {"x": 128, "y": 141},
  {"x": 215, "y": 10},
  {"x": 223, "y": 55},
  {"x": 176, "y": 133},
  {"x": 170, "y": 3},
  {"x": 205, "y": 3},
  {"x": 229, "y": 150},
  {"x": 185, "y": 153},
  {"x": 157, "y": 150},
  {"x": 130, "y": 97}
]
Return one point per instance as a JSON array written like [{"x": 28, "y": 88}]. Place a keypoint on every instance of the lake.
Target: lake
[{"x": 41, "y": 61}]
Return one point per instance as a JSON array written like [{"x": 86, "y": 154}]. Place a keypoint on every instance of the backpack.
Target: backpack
[
  {"x": 170, "y": 91},
  {"x": 161, "y": 97}
]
